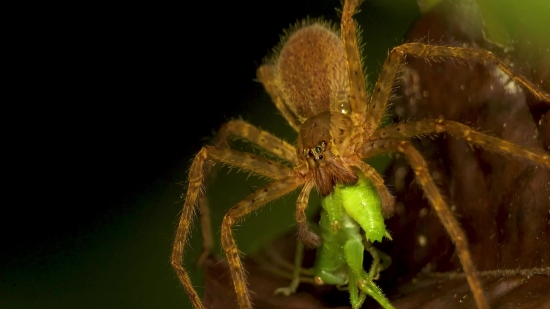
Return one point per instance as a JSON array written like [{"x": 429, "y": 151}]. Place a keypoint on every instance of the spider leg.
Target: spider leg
[
  {"x": 267, "y": 77},
  {"x": 206, "y": 227},
  {"x": 384, "y": 86},
  {"x": 438, "y": 203},
  {"x": 307, "y": 236},
  {"x": 197, "y": 176},
  {"x": 251, "y": 133},
  {"x": 431, "y": 126},
  {"x": 251, "y": 203},
  {"x": 358, "y": 92}
]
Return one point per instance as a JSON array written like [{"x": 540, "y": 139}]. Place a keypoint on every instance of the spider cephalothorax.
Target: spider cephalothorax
[{"x": 319, "y": 143}]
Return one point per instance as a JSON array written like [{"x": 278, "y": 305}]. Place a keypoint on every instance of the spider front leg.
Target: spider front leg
[
  {"x": 385, "y": 84},
  {"x": 438, "y": 203},
  {"x": 265, "y": 140},
  {"x": 243, "y": 130},
  {"x": 433, "y": 126},
  {"x": 197, "y": 176},
  {"x": 358, "y": 92},
  {"x": 254, "y": 201},
  {"x": 305, "y": 234}
]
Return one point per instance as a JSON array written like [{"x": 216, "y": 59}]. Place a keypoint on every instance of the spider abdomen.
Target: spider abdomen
[{"x": 311, "y": 71}]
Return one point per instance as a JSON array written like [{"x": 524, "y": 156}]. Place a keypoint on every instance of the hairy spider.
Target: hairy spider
[{"x": 316, "y": 81}]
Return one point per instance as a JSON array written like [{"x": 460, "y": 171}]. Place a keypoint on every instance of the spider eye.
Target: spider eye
[{"x": 318, "y": 149}]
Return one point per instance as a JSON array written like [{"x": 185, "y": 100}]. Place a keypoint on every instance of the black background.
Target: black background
[{"x": 114, "y": 102}]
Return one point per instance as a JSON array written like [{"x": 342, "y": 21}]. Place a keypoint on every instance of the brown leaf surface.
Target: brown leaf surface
[{"x": 502, "y": 203}]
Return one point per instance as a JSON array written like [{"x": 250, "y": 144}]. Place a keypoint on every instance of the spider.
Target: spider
[{"x": 317, "y": 83}]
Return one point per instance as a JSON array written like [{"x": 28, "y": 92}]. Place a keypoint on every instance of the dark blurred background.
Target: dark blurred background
[{"x": 119, "y": 100}]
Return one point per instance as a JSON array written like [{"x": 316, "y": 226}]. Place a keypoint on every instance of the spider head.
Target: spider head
[{"x": 319, "y": 143}]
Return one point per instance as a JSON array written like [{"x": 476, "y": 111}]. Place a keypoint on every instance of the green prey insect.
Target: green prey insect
[{"x": 339, "y": 261}]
